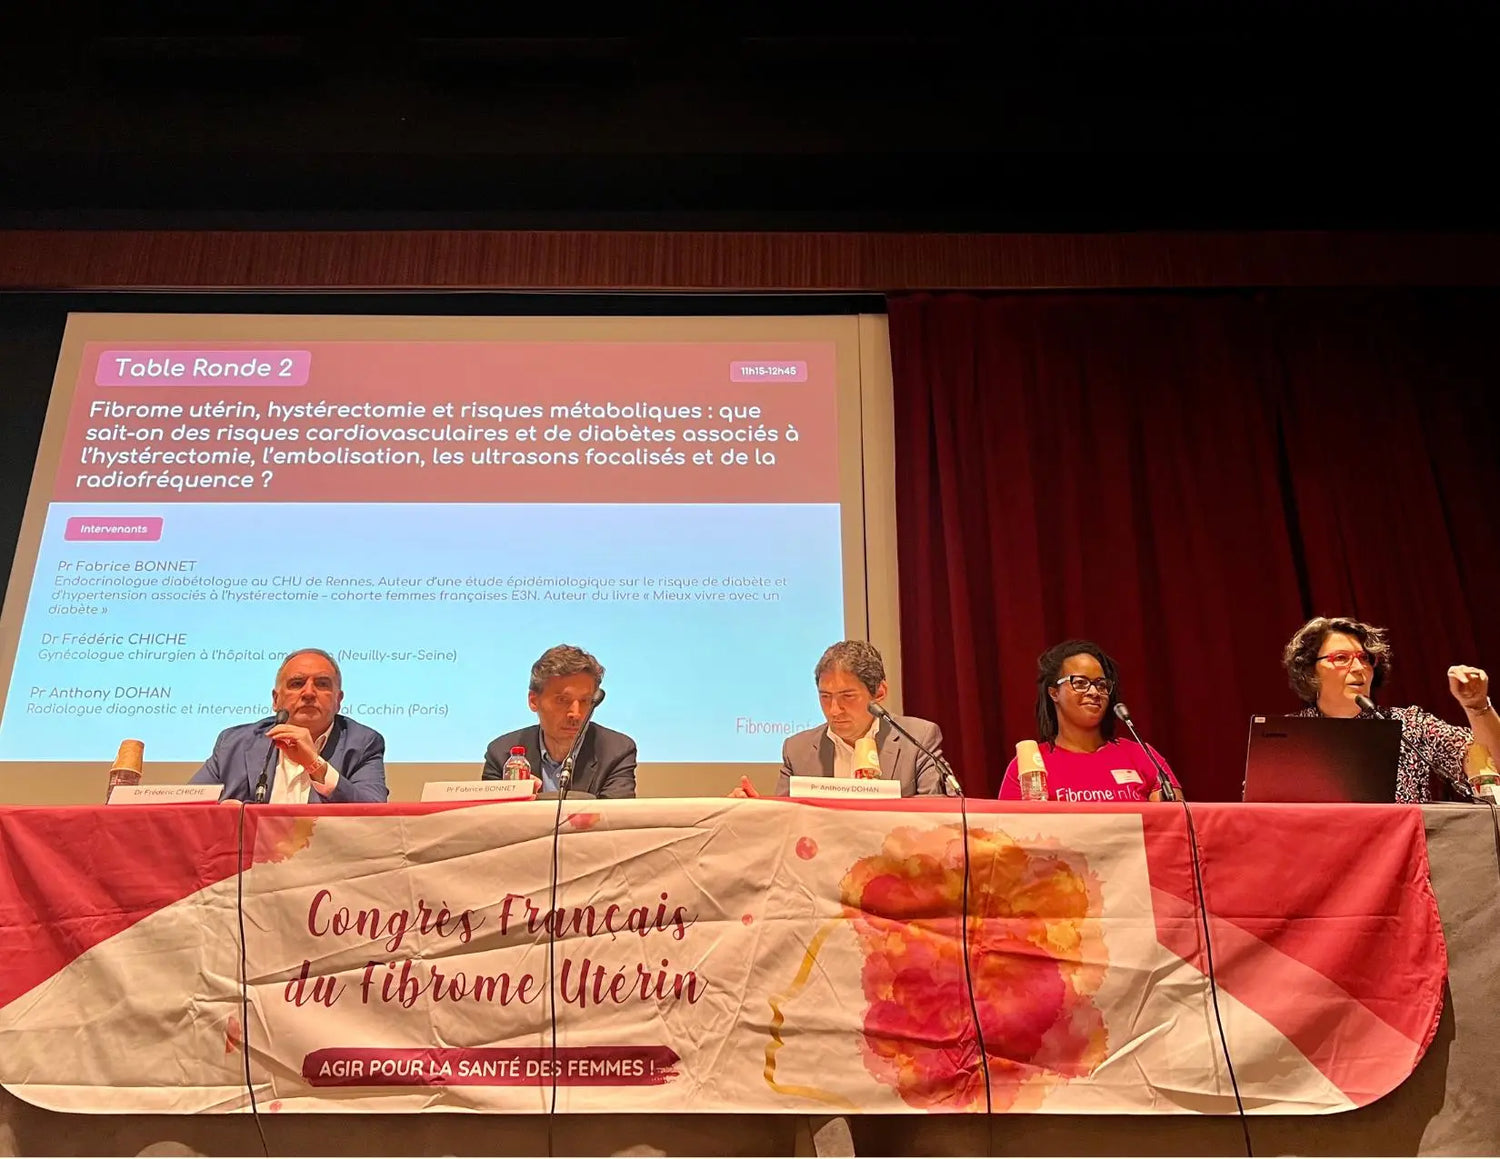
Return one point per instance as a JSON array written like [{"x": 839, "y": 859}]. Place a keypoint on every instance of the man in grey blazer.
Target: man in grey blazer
[
  {"x": 565, "y": 684},
  {"x": 850, "y": 675}
]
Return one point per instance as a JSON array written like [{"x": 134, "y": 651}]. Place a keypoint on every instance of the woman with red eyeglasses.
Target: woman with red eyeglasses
[
  {"x": 1333, "y": 661},
  {"x": 1075, "y": 730}
]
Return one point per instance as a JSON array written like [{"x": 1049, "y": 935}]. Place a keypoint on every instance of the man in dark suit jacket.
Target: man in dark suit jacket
[
  {"x": 850, "y": 676},
  {"x": 565, "y": 686},
  {"x": 319, "y": 754}
]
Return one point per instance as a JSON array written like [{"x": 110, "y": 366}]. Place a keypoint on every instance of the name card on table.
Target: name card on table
[
  {"x": 854, "y": 788},
  {"x": 164, "y": 794},
  {"x": 522, "y": 790}
]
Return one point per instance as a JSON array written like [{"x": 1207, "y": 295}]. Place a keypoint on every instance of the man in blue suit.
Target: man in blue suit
[{"x": 320, "y": 755}]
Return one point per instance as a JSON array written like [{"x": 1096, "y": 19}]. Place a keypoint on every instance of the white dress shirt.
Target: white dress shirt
[
  {"x": 294, "y": 787},
  {"x": 843, "y": 751}
]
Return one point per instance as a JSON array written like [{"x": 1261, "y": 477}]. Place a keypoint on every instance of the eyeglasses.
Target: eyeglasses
[
  {"x": 1082, "y": 684},
  {"x": 1342, "y": 660}
]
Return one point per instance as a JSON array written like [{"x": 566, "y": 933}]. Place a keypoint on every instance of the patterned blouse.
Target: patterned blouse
[{"x": 1431, "y": 748}]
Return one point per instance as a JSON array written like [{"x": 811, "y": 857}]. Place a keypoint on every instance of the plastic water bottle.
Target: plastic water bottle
[
  {"x": 517, "y": 767},
  {"x": 1484, "y": 778},
  {"x": 1031, "y": 771}
]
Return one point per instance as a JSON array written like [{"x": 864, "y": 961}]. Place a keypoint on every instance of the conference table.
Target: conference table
[{"x": 710, "y": 976}]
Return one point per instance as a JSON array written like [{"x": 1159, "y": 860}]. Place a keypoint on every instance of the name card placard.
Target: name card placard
[
  {"x": 164, "y": 794},
  {"x": 853, "y": 788},
  {"x": 524, "y": 790}
]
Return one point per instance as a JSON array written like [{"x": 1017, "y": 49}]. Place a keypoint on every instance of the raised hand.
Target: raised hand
[{"x": 1470, "y": 687}]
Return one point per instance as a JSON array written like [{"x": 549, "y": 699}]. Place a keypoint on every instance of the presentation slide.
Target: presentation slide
[{"x": 434, "y": 509}]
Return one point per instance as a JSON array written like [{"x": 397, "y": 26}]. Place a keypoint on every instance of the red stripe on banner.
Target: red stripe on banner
[
  {"x": 72, "y": 877},
  {"x": 1350, "y": 933}
]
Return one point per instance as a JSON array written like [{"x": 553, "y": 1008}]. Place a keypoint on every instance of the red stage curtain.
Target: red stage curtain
[{"x": 1185, "y": 478}]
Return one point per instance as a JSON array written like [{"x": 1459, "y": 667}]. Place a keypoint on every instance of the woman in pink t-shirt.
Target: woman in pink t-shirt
[{"x": 1075, "y": 721}]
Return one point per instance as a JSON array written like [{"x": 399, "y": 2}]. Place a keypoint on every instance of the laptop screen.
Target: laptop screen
[{"x": 1311, "y": 759}]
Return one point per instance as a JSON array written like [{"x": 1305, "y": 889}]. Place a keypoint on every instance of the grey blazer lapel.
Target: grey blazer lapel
[
  {"x": 888, "y": 742},
  {"x": 825, "y": 754}
]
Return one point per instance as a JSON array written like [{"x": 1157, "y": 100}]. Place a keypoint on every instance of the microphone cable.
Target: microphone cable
[
  {"x": 1208, "y": 952},
  {"x": 1163, "y": 778},
  {"x": 239, "y": 909},
  {"x": 984, "y": 1054},
  {"x": 1494, "y": 821},
  {"x": 1481, "y": 798},
  {"x": 945, "y": 775},
  {"x": 564, "y": 785},
  {"x": 552, "y": 924}
]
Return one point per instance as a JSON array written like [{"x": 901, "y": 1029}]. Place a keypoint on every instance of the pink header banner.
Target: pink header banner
[
  {"x": 203, "y": 368},
  {"x": 114, "y": 528}
]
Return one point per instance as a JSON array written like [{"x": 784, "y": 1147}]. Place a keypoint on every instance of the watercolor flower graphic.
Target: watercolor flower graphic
[
  {"x": 1036, "y": 954},
  {"x": 280, "y": 838}
]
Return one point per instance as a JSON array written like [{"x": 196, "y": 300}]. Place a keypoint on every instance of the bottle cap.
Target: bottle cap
[{"x": 518, "y": 750}]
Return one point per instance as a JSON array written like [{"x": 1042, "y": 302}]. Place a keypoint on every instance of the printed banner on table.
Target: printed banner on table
[{"x": 713, "y": 956}]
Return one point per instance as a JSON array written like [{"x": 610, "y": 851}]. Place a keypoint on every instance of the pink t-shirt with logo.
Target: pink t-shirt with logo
[{"x": 1118, "y": 771}]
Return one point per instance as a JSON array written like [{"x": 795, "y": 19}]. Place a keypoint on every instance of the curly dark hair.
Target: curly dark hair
[
  {"x": 1049, "y": 668},
  {"x": 859, "y": 658},
  {"x": 1300, "y": 656}
]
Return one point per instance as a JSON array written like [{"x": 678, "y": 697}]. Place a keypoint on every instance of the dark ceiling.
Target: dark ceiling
[{"x": 1062, "y": 116}]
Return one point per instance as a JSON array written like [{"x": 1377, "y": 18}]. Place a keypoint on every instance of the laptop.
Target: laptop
[{"x": 1320, "y": 759}]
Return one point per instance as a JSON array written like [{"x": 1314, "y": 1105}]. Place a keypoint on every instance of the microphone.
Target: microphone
[
  {"x": 1163, "y": 781},
  {"x": 951, "y": 787},
  {"x": 1368, "y": 705},
  {"x": 262, "y": 786},
  {"x": 565, "y": 777}
]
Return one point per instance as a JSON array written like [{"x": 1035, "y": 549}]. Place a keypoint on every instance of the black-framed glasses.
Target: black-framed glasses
[
  {"x": 1342, "y": 660},
  {"x": 1081, "y": 684}
]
